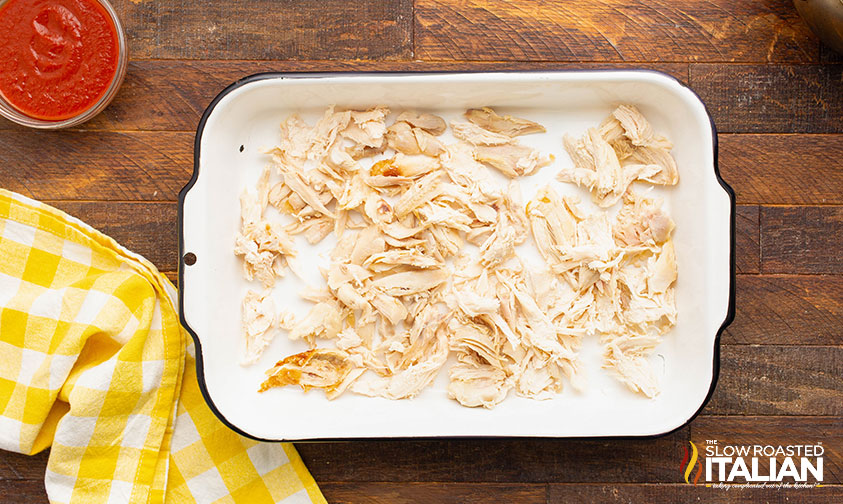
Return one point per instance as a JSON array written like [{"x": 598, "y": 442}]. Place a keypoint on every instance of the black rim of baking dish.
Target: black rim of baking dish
[{"x": 200, "y": 371}]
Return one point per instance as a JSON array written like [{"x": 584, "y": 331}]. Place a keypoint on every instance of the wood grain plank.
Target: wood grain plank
[
  {"x": 96, "y": 165},
  {"x": 146, "y": 228},
  {"x": 171, "y": 95},
  {"x": 787, "y": 310},
  {"x": 341, "y": 493},
  {"x": 771, "y": 98},
  {"x": 17, "y": 466},
  {"x": 18, "y": 491},
  {"x": 33, "y": 492},
  {"x": 495, "y": 460},
  {"x": 779, "y": 380},
  {"x": 439, "y": 493},
  {"x": 265, "y": 29},
  {"x": 659, "y": 494},
  {"x": 783, "y": 169},
  {"x": 747, "y": 244},
  {"x": 611, "y": 30},
  {"x": 775, "y": 431},
  {"x": 801, "y": 239},
  {"x": 829, "y": 55}
]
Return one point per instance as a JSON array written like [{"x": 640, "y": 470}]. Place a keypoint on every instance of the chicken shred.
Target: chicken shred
[
  {"x": 476, "y": 135},
  {"x": 622, "y": 274},
  {"x": 403, "y": 293},
  {"x": 317, "y": 368},
  {"x": 258, "y": 321},
  {"x": 608, "y": 159},
  {"x": 512, "y": 160},
  {"x": 433, "y": 124},
  {"x": 510, "y": 126}
]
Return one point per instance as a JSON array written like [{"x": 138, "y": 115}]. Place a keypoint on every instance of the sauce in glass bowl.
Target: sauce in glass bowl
[{"x": 59, "y": 59}]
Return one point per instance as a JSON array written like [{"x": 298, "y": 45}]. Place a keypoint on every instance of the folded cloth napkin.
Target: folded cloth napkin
[{"x": 94, "y": 363}]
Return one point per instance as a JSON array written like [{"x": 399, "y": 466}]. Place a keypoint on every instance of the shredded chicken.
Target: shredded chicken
[
  {"x": 404, "y": 291},
  {"x": 621, "y": 274},
  {"x": 433, "y": 124},
  {"x": 512, "y": 160},
  {"x": 263, "y": 245},
  {"x": 476, "y": 135},
  {"x": 608, "y": 159},
  {"x": 510, "y": 126},
  {"x": 258, "y": 312},
  {"x": 318, "y": 368}
]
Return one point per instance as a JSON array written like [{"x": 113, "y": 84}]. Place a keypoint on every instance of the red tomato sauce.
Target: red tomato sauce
[{"x": 57, "y": 57}]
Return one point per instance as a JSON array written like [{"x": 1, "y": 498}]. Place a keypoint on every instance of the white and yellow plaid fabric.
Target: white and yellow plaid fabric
[{"x": 94, "y": 363}]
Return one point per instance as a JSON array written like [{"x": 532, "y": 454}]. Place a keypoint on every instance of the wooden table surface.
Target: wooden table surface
[{"x": 776, "y": 95}]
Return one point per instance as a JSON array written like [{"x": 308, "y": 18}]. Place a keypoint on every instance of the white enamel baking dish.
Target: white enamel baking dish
[{"x": 245, "y": 117}]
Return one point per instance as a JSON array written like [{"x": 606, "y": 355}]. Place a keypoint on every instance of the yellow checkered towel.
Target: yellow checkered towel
[{"x": 94, "y": 363}]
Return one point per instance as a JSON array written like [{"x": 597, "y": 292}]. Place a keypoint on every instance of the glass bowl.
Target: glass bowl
[{"x": 14, "y": 115}]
